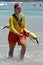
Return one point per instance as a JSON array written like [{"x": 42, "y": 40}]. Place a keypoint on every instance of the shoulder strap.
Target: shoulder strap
[
  {"x": 15, "y": 17},
  {"x": 19, "y": 20}
]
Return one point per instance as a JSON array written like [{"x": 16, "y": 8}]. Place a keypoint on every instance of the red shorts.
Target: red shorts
[{"x": 13, "y": 38}]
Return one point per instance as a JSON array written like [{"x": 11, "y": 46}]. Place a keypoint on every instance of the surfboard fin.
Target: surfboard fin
[{"x": 7, "y": 26}]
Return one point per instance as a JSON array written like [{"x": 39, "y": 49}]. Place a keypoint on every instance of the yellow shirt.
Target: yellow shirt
[{"x": 14, "y": 26}]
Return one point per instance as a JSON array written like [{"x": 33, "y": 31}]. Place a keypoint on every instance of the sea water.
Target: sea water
[{"x": 34, "y": 23}]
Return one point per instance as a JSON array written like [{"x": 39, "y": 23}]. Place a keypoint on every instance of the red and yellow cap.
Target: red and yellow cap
[{"x": 17, "y": 5}]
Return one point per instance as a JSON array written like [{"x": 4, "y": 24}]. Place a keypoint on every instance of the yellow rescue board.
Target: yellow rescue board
[{"x": 31, "y": 35}]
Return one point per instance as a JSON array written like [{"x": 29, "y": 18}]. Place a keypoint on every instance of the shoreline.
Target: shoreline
[
  {"x": 24, "y": 1},
  {"x": 21, "y": 2}
]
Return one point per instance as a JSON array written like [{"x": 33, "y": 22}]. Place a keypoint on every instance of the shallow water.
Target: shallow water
[{"x": 34, "y": 22}]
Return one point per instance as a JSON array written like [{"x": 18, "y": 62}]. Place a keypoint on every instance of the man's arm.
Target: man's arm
[{"x": 12, "y": 26}]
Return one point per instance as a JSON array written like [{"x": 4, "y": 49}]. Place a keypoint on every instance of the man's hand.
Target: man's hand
[{"x": 20, "y": 35}]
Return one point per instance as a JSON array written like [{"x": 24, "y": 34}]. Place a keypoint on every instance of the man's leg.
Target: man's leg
[
  {"x": 11, "y": 49},
  {"x": 12, "y": 43},
  {"x": 23, "y": 50},
  {"x": 22, "y": 42}
]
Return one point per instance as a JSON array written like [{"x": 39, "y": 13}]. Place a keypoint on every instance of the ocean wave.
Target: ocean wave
[{"x": 3, "y": 4}]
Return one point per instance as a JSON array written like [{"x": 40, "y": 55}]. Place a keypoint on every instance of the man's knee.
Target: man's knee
[{"x": 24, "y": 47}]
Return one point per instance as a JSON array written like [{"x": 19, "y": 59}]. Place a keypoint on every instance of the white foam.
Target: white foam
[
  {"x": 4, "y": 45},
  {"x": 5, "y": 11},
  {"x": 28, "y": 56},
  {"x": 3, "y": 4},
  {"x": 1, "y": 27}
]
